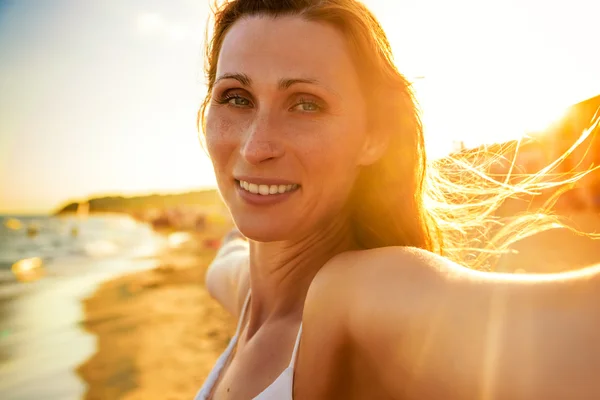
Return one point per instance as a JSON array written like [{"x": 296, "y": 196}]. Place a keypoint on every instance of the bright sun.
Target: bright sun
[
  {"x": 461, "y": 117},
  {"x": 493, "y": 71}
]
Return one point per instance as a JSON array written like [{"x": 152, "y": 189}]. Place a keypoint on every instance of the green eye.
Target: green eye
[
  {"x": 233, "y": 99},
  {"x": 307, "y": 106},
  {"x": 238, "y": 101}
]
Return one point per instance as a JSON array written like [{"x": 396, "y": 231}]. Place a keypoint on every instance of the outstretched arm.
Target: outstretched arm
[
  {"x": 226, "y": 277},
  {"x": 438, "y": 330}
]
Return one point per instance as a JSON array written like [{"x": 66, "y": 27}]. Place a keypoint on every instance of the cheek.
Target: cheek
[
  {"x": 220, "y": 138},
  {"x": 329, "y": 156},
  {"x": 336, "y": 147}
]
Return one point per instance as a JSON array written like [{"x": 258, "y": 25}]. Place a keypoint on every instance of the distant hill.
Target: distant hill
[{"x": 198, "y": 199}]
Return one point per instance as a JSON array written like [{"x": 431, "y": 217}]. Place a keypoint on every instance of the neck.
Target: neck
[{"x": 281, "y": 272}]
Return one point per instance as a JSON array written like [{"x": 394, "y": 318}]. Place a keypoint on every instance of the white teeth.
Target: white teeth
[
  {"x": 266, "y": 190},
  {"x": 263, "y": 189}
]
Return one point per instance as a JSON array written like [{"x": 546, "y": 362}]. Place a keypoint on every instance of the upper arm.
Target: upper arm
[
  {"x": 431, "y": 328},
  {"x": 227, "y": 276}
]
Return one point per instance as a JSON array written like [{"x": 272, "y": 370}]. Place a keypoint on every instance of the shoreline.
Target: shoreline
[
  {"x": 158, "y": 331},
  {"x": 43, "y": 342}
]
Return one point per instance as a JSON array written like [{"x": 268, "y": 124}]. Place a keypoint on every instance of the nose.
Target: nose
[{"x": 262, "y": 142}]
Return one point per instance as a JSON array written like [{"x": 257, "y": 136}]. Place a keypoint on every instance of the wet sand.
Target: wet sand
[{"x": 159, "y": 332}]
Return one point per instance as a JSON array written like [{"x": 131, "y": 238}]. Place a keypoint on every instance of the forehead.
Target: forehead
[{"x": 291, "y": 47}]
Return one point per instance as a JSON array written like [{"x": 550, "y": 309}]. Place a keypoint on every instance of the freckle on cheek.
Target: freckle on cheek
[
  {"x": 218, "y": 129},
  {"x": 224, "y": 126}
]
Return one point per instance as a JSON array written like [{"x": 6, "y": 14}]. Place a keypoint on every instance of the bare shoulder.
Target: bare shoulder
[
  {"x": 354, "y": 284},
  {"x": 390, "y": 258},
  {"x": 341, "y": 316},
  {"x": 363, "y": 271},
  {"x": 328, "y": 366},
  {"x": 409, "y": 315},
  {"x": 409, "y": 267}
]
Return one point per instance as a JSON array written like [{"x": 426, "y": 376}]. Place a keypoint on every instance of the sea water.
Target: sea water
[{"x": 41, "y": 342}]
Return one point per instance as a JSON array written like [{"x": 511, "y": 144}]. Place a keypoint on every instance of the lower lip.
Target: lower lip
[{"x": 260, "y": 200}]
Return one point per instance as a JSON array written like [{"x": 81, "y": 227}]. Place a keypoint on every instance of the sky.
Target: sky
[{"x": 100, "y": 97}]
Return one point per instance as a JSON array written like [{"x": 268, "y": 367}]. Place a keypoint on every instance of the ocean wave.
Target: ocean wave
[{"x": 60, "y": 241}]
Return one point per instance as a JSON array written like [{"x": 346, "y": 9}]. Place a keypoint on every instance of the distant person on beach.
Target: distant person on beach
[{"x": 349, "y": 273}]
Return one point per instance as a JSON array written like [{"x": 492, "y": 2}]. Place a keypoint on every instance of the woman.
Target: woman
[{"x": 340, "y": 290}]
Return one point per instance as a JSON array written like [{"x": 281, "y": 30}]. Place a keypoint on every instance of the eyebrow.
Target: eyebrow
[
  {"x": 241, "y": 78},
  {"x": 287, "y": 83},
  {"x": 282, "y": 85}
]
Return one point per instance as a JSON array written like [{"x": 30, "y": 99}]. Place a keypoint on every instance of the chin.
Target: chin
[{"x": 263, "y": 229}]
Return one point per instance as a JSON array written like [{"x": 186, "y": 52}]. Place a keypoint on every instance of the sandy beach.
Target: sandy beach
[{"x": 159, "y": 332}]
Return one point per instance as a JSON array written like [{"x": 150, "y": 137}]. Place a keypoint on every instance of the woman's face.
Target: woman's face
[{"x": 286, "y": 126}]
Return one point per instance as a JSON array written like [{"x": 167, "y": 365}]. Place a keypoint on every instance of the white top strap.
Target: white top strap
[
  {"x": 214, "y": 375},
  {"x": 296, "y": 346},
  {"x": 243, "y": 314}
]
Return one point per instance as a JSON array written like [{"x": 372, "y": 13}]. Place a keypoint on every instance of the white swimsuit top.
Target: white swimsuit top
[{"x": 280, "y": 389}]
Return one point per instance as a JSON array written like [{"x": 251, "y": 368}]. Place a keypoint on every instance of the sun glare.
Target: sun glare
[
  {"x": 464, "y": 119},
  {"x": 540, "y": 119}
]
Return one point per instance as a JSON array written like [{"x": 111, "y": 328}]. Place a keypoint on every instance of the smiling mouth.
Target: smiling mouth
[{"x": 266, "y": 190}]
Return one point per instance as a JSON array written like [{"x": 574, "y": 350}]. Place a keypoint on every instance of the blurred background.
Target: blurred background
[{"x": 108, "y": 208}]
